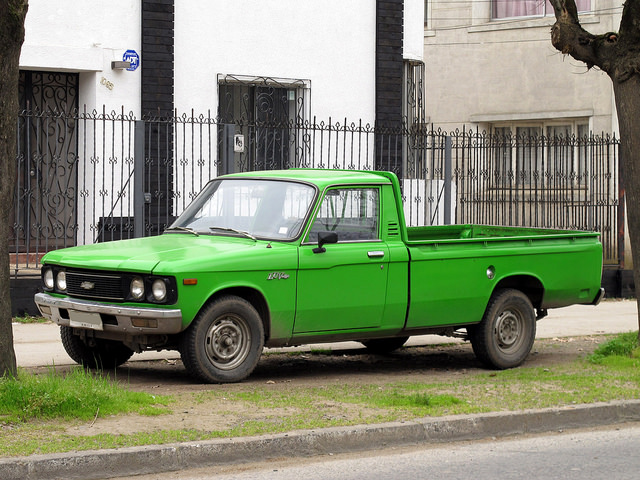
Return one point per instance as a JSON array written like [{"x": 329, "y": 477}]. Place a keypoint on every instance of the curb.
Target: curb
[{"x": 100, "y": 464}]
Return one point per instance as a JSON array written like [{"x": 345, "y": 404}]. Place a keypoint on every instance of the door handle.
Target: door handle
[{"x": 375, "y": 254}]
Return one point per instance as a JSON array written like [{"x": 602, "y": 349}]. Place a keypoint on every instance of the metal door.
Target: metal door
[{"x": 44, "y": 216}]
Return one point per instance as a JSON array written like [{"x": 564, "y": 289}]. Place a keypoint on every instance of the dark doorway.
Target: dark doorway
[{"x": 44, "y": 216}]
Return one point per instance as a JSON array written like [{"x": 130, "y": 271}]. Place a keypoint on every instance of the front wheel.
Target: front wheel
[
  {"x": 100, "y": 354},
  {"x": 505, "y": 336},
  {"x": 224, "y": 342}
]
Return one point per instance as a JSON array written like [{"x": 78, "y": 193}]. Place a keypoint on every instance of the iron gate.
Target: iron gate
[
  {"x": 134, "y": 176},
  {"x": 46, "y": 162}
]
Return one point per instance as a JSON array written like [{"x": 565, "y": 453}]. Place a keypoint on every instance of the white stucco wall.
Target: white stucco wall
[
  {"x": 330, "y": 43},
  {"x": 413, "y": 45},
  {"x": 85, "y": 37}
]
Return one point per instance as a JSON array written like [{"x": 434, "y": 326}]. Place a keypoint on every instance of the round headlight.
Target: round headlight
[
  {"x": 137, "y": 288},
  {"x": 47, "y": 278},
  {"x": 159, "y": 290},
  {"x": 61, "y": 281}
]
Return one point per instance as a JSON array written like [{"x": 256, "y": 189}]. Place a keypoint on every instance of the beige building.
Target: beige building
[{"x": 490, "y": 64}]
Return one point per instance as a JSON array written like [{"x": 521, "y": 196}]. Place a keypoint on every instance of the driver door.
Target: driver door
[{"x": 343, "y": 287}]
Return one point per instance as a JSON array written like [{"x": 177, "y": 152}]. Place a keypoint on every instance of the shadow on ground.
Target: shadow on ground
[{"x": 418, "y": 363}]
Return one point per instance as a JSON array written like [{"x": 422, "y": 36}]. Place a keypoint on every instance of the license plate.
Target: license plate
[{"x": 85, "y": 320}]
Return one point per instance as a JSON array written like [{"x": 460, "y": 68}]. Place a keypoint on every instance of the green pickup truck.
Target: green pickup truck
[{"x": 280, "y": 258}]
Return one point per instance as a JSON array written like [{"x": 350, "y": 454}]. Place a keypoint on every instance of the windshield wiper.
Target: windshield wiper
[
  {"x": 233, "y": 230},
  {"x": 183, "y": 229}
]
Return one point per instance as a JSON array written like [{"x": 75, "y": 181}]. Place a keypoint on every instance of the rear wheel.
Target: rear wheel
[
  {"x": 100, "y": 354},
  {"x": 505, "y": 336},
  {"x": 384, "y": 345},
  {"x": 224, "y": 342}
]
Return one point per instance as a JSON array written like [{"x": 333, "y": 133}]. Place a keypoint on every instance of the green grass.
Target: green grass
[
  {"x": 29, "y": 319},
  {"x": 32, "y": 408},
  {"x": 622, "y": 349},
  {"x": 77, "y": 395}
]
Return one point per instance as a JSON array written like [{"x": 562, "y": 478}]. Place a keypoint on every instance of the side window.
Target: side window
[{"x": 350, "y": 212}]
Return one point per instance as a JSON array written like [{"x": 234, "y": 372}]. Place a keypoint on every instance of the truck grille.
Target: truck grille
[{"x": 98, "y": 285}]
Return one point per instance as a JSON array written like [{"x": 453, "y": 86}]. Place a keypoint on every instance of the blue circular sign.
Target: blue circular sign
[{"x": 133, "y": 57}]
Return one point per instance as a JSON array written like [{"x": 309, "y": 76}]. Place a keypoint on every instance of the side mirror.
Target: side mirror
[{"x": 324, "y": 238}]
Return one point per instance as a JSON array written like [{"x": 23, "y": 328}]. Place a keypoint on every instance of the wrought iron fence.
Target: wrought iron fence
[{"x": 96, "y": 176}]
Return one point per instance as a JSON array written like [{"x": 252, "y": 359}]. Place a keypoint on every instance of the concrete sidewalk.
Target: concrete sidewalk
[{"x": 40, "y": 345}]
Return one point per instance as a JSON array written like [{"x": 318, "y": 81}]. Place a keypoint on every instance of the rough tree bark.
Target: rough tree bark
[
  {"x": 618, "y": 55},
  {"x": 12, "y": 15}
]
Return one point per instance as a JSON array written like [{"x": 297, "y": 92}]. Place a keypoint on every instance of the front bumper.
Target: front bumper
[{"x": 90, "y": 315}]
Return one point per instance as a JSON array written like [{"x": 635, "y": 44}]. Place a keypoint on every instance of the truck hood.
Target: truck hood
[{"x": 167, "y": 253}]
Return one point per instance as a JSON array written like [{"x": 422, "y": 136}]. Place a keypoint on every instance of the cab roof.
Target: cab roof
[{"x": 321, "y": 177}]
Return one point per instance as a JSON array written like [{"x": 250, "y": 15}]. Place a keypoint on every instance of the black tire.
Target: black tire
[
  {"x": 505, "y": 336},
  {"x": 224, "y": 342},
  {"x": 384, "y": 345},
  {"x": 104, "y": 355}
]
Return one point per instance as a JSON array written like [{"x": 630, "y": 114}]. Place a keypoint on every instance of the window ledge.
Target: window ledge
[
  {"x": 528, "y": 22},
  {"x": 505, "y": 117}
]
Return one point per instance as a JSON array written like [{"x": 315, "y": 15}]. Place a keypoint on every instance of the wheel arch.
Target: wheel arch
[
  {"x": 504, "y": 337},
  {"x": 530, "y": 285},
  {"x": 251, "y": 295}
]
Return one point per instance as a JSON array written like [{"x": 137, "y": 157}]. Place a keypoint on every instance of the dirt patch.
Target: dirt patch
[
  {"x": 418, "y": 363},
  {"x": 205, "y": 407}
]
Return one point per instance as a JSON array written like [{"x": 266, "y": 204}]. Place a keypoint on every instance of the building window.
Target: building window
[
  {"x": 413, "y": 104},
  {"x": 535, "y": 155},
  {"x": 256, "y": 115},
  {"x": 261, "y": 99},
  {"x": 426, "y": 13},
  {"x": 528, "y": 8}
]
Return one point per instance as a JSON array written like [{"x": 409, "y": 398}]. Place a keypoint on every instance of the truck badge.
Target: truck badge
[
  {"x": 87, "y": 285},
  {"x": 277, "y": 276}
]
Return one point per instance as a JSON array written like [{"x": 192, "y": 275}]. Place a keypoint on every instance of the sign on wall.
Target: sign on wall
[{"x": 133, "y": 57}]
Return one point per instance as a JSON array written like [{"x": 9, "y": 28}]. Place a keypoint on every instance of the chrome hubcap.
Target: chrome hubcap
[
  {"x": 227, "y": 342},
  {"x": 508, "y": 330}
]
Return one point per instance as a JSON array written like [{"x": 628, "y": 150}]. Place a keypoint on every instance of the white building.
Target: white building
[
  {"x": 215, "y": 61},
  {"x": 325, "y": 51}
]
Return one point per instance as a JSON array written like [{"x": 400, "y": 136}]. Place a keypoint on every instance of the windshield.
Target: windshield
[{"x": 269, "y": 209}]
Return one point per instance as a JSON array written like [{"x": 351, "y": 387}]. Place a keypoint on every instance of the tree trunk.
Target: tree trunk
[
  {"x": 627, "y": 95},
  {"x": 12, "y": 15},
  {"x": 617, "y": 54}
]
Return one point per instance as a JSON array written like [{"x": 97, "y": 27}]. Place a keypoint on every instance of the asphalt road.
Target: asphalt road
[{"x": 605, "y": 453}]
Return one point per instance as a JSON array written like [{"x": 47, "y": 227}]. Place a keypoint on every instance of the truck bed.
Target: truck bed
[
  {"x": 455, "y": 268},
  {"x": 440, "y": 233}
]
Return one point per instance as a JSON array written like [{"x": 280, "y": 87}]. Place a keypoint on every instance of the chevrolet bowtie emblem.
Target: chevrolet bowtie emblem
[{"x": 87, "y": 285}]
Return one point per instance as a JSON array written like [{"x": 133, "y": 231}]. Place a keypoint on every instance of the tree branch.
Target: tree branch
[
  {"x": 630, "y": 23},
  {"x": 565, "y": 8},
  {"x": 568, "y": 36},
  {"x": 617, "y": 54}
]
